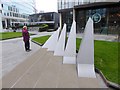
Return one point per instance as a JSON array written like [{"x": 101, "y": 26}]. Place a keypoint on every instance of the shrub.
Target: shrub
[{"x": 43, "y": 27}]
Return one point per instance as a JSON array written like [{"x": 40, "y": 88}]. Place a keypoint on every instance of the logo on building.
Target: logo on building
[{"x": 96, "y": 17}]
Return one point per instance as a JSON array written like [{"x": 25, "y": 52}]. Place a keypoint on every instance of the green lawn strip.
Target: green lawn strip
[
  {"x": 42, "y": 39},
  {"x": 10, "y": 35},
  {"x": 106, "y": 57}
]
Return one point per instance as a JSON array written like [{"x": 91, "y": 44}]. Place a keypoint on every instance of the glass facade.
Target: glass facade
[
  {"x": 42, "y": 17},
  {"x": 106, "y": 18},
  {"x": 16, "y": 11},
  {"x": 49, "y": 18},
  {"x": 65, "y": 4},
  {"x": 67, "y": 17}
]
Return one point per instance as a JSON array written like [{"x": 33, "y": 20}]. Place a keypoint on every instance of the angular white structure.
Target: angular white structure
[
  {"x": 59, "y": 50},
  {"x": 85, "y": 57},
  {"x": 52, "y": 41},
  {"x": 70, "y": 51}
]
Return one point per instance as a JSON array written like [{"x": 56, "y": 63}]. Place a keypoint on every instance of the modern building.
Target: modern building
[
  {"x": 49, "y": 18},
  {"x": 16, "y": 12},
  {"x": 105, "y": 14}
]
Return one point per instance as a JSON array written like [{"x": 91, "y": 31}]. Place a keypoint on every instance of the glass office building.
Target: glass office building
[
  {"x": 49, "y": 18},
  {"x": 16, "y": 11},
  {"x": 106, "y": 15}
]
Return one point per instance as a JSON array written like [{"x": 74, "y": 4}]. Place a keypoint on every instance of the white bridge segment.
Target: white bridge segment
[
  {"x": 52, "y": 41},
  {"x": 85, "y": 57},
  {"x": 59, "y": 49},
  {"x": 70, "y": 51}
]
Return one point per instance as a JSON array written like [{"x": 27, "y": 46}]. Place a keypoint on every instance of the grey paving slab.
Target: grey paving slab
[
  {"x": 68, "y": 77},
  {"x": 32, "y": 75},
  {"x": 50, "y": 76},
  {"x": 13, "y": 53},
  {"x": 101, "y": 82},
  {"x": 88, "y": 82},
  {"x": 47, "y": 71},
  {"x": 0, "y": 84},
  {"x": 9, "y": 79}
]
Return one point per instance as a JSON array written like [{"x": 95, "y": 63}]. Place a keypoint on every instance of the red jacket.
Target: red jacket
[{"x": 25, "y": 35}]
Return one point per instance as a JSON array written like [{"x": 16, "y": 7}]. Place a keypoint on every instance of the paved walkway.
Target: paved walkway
[
  {"x": 102, "y": 37},
  {"x": 43, "y": 70},
  {"x": 13, "y": 52},
  {"x": 13, "y": 55}
]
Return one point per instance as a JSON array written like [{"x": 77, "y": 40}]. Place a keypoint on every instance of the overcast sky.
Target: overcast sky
[{"x": 46, "y": 5}]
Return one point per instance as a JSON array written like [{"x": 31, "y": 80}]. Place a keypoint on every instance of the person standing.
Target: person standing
[{"x": 26, "y": 38}]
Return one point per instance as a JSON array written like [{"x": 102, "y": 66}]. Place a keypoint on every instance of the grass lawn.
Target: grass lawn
[
  {"x": 10, "y": 35},
  {"x": 106, "y": 57},
  {"x": 42, "y": 39}
]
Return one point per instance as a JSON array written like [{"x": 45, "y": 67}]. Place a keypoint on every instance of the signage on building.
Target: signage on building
[{"x": 96, "y": 17}]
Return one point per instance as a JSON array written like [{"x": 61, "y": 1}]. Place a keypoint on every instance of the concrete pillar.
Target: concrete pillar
[{"x": 1, "y": 28}]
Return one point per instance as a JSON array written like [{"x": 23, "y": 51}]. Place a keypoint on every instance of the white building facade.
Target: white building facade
[{"x": 15, "y": 12}]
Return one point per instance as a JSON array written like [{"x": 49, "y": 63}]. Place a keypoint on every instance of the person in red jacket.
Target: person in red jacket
[{"x": 26, "y": 38}]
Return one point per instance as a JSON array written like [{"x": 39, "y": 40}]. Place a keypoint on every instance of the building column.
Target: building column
[
  {"x": 60, "y": 20},
  {"x": 1, "y": 28},
  {"x": 10, "y": 22},
  {"x": 73, "y": 14},
  {"x": 5, "y": 23}
]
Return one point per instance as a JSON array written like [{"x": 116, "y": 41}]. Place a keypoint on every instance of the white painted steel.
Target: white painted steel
[
  {"x": 59, "y": 50},
  {"x": 52, "y": 41},
  {"x": 70, "y": 51},
  {"x": 69, "y": 60},
  {"x": 86, "y": 70},
  {"x": 85, "y": 58}
]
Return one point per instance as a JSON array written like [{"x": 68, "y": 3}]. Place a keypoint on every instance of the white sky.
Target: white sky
[{"x": 46, "y": 5}]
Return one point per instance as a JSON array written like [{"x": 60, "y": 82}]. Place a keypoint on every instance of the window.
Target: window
[
  {"x": 0, "y": 11},
  {"x": 10, "y": 13},
  {"x": 14, "y": 9},
  {"x": 13, "y": 14},
  {"x": 2, "y": 5},
  {"x": 17, "y": 10},
  {"x": 7, "y": 14},
  {"x": 17, "y": 15},
  {"x": 9, "y": 7}
]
